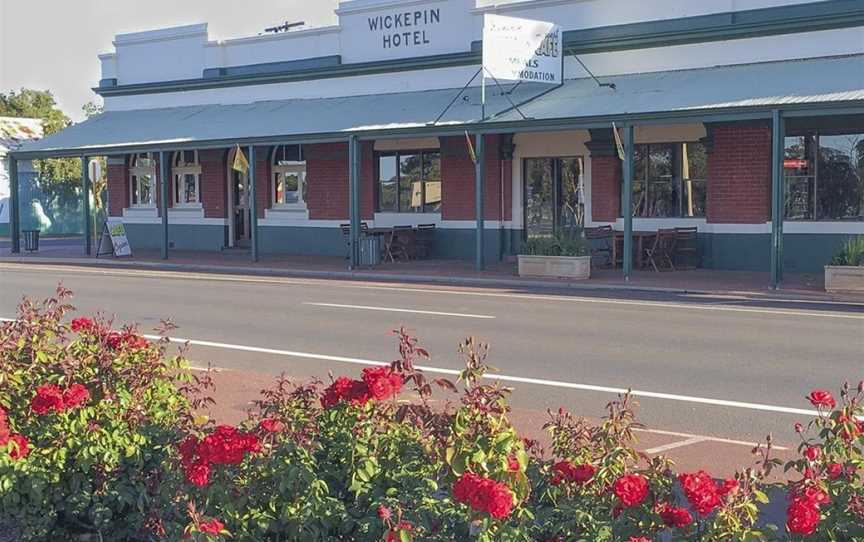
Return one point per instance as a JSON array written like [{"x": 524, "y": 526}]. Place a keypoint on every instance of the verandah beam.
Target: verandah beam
[
  {"x": 627, "y": 201},
  {"x": 479, "y": 176},
  {"x": 14, "y": 214},
  {"x": 163, "y": 199},
  {"x": 85, "y": 204},
  {"x": 777, "y": 204}
]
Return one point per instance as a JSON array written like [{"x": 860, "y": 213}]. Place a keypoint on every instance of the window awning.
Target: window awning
[{"x": 811, "y": 82}]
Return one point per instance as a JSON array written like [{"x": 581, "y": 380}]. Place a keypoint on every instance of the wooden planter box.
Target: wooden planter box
[
  {"x": 571, "y": 267},
  {"x": 844, "y": 278}
]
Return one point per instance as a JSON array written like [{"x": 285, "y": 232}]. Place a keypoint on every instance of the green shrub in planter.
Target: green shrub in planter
[
  {"x": 557, "y": 245},
  {"x": 851, "y": 253}
]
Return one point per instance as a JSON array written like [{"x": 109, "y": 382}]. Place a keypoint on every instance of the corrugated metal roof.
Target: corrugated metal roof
[
  {"x": 812, "y": 81},
  {"x": 769, "y": 84}
]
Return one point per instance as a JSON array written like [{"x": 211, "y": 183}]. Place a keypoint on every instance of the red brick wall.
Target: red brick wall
[
  {"x": 457, "y": 180},
  {"x": 263, "y": 190},
  {"x": 368, "y": 189},
  {"x": 214, "y": 182},
  {"x": 605, "y": 188},
  {"x": 327, "y": 174},
  {"x": 739, "y": 174},
  {"x": 118, "y": 189}
]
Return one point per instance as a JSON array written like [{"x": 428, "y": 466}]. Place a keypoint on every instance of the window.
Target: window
[
  {"x": 187, "y": 178},
  {"x": 289, "y": 176},
  {"x": 142, "y": 180},
  {"x": 409, "y": 182},
  {"x": 669, "y": 180},
  {"x": 824, "y": 177}
]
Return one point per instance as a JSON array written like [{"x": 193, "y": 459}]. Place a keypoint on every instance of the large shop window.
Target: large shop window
[
  {"x": 289, "y": 176},
  {"x": 669, "y": 180},
  {"x": 142, "y": 180},
  {"x": 409, "y": 182},
  {"x": 824, "y": 177},
  {"x": 187, "y": 179}
]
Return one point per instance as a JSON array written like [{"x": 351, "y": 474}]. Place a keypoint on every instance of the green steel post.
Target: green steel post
[
  {"x": 479, "y": 174},
  {"x": 627, "y": 201},
  {"x": 354, "y": 201},
  {"x": 85, "y": 192},
  {"x": 164, "y": 174},
  {"x": 14, "y": 212},
  {"x": 777, "y": 204},
  {"x": 253, "y": 203}
]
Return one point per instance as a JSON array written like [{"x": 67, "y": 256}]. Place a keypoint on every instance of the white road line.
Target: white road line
[
  {"x": 365, "y": 286},
  {"x": 504, "y": 378},
  {"x": 392, "y": 309},
  {"x": 674, "y": 445}
]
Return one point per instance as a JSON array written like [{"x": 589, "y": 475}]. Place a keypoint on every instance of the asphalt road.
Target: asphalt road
[{"x": 719, "y": 366}]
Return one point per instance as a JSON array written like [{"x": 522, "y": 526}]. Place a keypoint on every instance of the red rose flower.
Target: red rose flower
[
  {"x": 500, "y": 501},
  {"x": 347, "y": 390},
  {"x": 728, "y": 487},
  {"x": 812, "y": 453},
  {"x": 198, "y": 473},
  {"x": 813, "y": 494},
  {"x": 638, "y": 539},
  {"x": 513, "y": 464},
  {"x": 75, "y": 395},
  {"x": 834, "y": 471},
  {"x": 564, "y": 471},
  {"x": 188, "y": 451},
  {"x": 49, "y": 398},
  {"x": 20, "y": 447},
  {"x": 631, "y": 489},
  {"x": 384, "y": 513},
  {"x": 214, "y": 527},
  {"x": 84, "y": 325},
  {"x": 4, "y": 427},
  {"x": 382, "y": 382},
  {"x": 701, "y": 491},
  {"x": 393, "y": 534},
  {"x": 799, "y": 428},
  {"x": 270, "y": 425},
  {"x": 484, "y": 495},
  {"x": 227, "y": 446},
  {"x": 802, "y": 517},
  {"x": 822, "y": 399},
  {"x": 674, "y": 516}
]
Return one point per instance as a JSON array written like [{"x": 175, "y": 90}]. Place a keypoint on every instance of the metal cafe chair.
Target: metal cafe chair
[
  {"x": 687, "y": 247},
  {"x": 601, "y": 240},
  {"x": 401, "y": 245},
  {"x": 424, "y": 240},
  {"x": 660, "y": 253}
]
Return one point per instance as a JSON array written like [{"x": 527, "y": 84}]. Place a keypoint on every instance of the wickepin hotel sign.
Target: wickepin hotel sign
[
  {"x": 405, "y": 28},
  {"x": 517, "y": 49}
]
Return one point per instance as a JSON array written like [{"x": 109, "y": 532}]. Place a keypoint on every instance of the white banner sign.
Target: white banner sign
[{"x": 522, "y": 50}]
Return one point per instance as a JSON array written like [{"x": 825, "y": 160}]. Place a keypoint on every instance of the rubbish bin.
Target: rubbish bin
[
  {"x": 370, "y": 250},
  {"x": 31, "y": 240}
]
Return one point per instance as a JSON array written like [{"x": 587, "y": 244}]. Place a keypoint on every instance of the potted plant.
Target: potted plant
[
  {"x": 846, "y": 272},
  {"x": 564, "y": 256}
]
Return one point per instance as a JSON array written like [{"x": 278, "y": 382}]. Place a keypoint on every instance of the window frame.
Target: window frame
[
  {"x": 398, "y": 154},
  {"x": 179, "y": 170},
  {"x": 288, "y": 166},
  {"x": 813, "y": 178},
  {"x": 137, "y": 171},
  {"x": 677, "y": 181}
]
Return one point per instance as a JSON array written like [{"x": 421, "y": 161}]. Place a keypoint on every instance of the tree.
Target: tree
[{"x": 40, "y": 104}]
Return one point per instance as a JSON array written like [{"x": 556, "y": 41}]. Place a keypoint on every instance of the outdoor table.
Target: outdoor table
[{"x": 639, "y": 238}]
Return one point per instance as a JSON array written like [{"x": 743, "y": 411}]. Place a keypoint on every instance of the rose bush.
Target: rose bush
[{"x": 101, "y": 434}]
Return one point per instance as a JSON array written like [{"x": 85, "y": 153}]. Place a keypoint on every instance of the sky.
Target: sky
[{"x": 53, "y": 44}]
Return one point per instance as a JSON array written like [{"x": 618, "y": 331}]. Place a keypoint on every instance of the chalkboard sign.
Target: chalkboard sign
[{"x": 114, "y": 241}]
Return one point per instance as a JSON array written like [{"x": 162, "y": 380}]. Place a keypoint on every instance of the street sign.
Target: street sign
[
  {"x": 114, "y": 241},
  {"x": 516, "y": 49}
]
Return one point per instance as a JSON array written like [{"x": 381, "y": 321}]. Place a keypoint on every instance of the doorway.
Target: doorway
[
  {"x": 239, "y": 210},
  {"x": 554, "y": 196}
]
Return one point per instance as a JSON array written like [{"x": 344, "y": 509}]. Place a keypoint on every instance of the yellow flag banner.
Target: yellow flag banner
[
  {"x": 471, "y": 148},
  {"x": 618, "y": 143},
  {"x": 240, "y": 164}
]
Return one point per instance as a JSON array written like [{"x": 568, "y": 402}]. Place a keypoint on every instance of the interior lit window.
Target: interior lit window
[
  {"x": 289, "y": 176},
  {"x": 187, "y": 178},
  {"x": 142, "y": 180}
]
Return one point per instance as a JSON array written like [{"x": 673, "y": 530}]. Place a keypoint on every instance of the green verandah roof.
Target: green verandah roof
[{"x": 820, "y": 82}]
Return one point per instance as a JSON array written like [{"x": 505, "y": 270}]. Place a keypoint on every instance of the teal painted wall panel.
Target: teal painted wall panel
[
  {"x": 810, "y": 252},
  {"x": 736, "y": 252},
  {"x": 301, "y": 241},
  {"x": 182, "y": 237},
  {"x": 4, "y": 229}
]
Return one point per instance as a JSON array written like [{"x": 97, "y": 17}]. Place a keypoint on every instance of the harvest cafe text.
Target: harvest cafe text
[{"x": 405, "y": 29}]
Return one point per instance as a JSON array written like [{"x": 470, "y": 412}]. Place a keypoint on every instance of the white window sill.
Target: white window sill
[
  {"x": 141, "y": 211},
  {"x": 286, "y": 215},
  {"x": 388, "y": 220},
  {"x": 289, "y": 207},
  {"x": 188, "y": 206}
]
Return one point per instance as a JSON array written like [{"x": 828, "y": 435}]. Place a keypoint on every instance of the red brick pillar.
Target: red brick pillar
[
  {"x": 327, "y": 174},
  {"x": 118, "y": 185},
  {"x": 739, "y": 173},
  {"x": 606, "y": 176},
  {"x": 214, "y": 182},
  {"x": 457, "y": 179}
]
